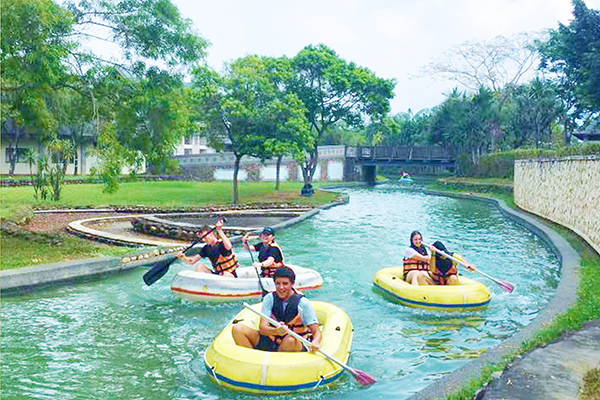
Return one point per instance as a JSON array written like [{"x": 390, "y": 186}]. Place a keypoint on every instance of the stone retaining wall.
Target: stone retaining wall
[{"x": 566, "y": 191}]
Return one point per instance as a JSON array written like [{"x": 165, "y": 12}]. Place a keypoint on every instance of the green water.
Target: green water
[{"x": 119, "y": 339}]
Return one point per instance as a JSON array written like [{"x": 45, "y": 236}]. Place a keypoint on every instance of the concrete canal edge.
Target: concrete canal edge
[
  {"x": 564, "y": 298},
  {"x": 27, "y": 279}
]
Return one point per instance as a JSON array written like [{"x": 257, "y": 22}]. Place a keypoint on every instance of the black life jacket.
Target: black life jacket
[{"x": 290, "y": 316}]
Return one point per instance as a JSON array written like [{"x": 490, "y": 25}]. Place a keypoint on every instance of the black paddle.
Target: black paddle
[
  {"x": 161, "y": 267},
  {"x": 264, "y": 292}
]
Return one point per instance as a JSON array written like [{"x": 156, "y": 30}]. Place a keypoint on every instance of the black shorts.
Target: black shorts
[{"x": 266, "y": 344}]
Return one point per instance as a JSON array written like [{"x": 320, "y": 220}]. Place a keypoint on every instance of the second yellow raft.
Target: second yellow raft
[{"x": 469, "y": 294}]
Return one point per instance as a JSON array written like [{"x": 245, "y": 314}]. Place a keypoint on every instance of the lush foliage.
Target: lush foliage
[
  {"x": 250, "y": 108},
  {"x": 53, "y": 87},
  {"x": 335, "y": 91},
  {"x": 572, "y": 56}
]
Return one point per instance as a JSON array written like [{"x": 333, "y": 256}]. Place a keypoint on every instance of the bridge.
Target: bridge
[
  {"x": 361, "y": 162},
  {"x": 335, "y": 163}
]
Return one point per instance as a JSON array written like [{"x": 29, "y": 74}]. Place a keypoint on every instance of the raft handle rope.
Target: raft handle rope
[
  {"x": 321, "y": 378},
  {"x": 214, "y": 374}
]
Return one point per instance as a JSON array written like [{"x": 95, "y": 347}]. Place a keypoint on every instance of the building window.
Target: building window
[
  {"x": 187, "y": 152},
  {"x": 188, "y": 140},
  {"x": 21, "y": 153}
]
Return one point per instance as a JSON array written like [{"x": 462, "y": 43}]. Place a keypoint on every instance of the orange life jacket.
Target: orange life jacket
[
  {"x": 226, "y": 263},
  {"x": 411, "y": 264},
  {"x": 270, "y": 270},
  {"x": 440, "y": 275}
]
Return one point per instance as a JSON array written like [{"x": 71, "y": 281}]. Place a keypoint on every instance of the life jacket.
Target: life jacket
[
  {"x": 290, "y": 316},
  {"x": 411, "y": 264},
  {"x": 270, "y": 270},
  {"x": 227, "y": 263},
  {"x": 444, "y": 268}
]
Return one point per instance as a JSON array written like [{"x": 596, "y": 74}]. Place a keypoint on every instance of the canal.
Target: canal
[{"x": 120, "y": 339}]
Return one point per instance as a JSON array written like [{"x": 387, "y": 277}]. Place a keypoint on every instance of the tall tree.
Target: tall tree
[
  {"x": 572, "y": 56},
  {"x": 334, "y": 90},
  {"x": 529, "y": 113},
  {"x": 491, "y": 64},
  {"x": 35, "y": 45},
  {"x": 246, "y": 110}
]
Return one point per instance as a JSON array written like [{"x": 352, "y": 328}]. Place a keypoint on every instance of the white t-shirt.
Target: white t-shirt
[{"x": 410, "y": 252}]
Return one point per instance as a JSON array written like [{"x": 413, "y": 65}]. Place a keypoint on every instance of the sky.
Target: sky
[{"x": 394, "y": 39}]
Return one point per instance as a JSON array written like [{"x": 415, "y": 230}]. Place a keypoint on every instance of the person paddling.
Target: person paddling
[
  {"x": 444, "y": 270},
  {"x": 270, "y": 256},
  {"x": 219, "y": 250},
  {"x": 416, "y": 261},
  {"x": 293, "y": 310}
]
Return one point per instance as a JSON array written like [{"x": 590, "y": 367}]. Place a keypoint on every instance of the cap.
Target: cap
[{"x": 267, "y": 231}]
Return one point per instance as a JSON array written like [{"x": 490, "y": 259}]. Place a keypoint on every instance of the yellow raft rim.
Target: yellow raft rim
[
  {"x": 266, "y": 372},
  {"x": 469, "y": 294}
]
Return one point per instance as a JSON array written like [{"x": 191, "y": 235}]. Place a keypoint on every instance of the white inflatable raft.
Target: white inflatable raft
[{"x": 199, "y": 286}]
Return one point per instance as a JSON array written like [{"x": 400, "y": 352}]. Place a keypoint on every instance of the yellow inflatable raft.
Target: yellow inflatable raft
[
  {"x": 266, "y": 372},
  {"x": 469, "y": 294}
]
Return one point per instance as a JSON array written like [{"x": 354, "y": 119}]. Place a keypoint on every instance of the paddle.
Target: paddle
[
  {"x": 162, "y": 267},
  {"x": 264, "y": 292},
  {"x": 362, "y": 378},
  {"x": 504, "y": 285}
]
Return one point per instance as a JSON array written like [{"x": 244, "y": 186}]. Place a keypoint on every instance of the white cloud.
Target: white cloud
[{"x": 392, "y": 38}]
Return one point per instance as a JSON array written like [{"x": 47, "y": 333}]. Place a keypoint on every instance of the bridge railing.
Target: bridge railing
[{"x": 414, "y": 153}]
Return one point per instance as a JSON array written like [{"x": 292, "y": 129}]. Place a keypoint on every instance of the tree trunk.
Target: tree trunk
[
  {"x": 277, "y": 170},
  {"x": 236, "y": 169},
  {"x": 308, "y": 171},
  {"x": 13, "y": 147}
]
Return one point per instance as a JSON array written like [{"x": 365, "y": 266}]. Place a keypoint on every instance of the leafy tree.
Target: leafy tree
[
  {"x": 42, "y": 59},
  {"x": 34, "y": 47},
  {"x": 572, "y": 56},
  {"x": 529, "y": 113},
  {"x": 247, "y": 109},
  {"x": 406, "y": 129},
  {"x": 463, "y": 122},
  {"x": 333, "y": 91}
]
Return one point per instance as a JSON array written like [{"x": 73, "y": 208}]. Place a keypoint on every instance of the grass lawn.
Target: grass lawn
[
  {"x": 17, "y": 202},
  {"x": 161, "y": 194}
]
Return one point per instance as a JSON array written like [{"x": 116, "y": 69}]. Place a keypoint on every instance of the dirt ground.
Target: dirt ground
[{"x": 56, "y": 222}]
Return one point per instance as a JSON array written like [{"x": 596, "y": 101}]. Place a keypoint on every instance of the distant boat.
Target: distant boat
[{"x": 405, "y": 179}]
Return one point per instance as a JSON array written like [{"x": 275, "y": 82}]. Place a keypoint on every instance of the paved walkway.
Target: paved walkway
[{"x": 554, "y": 372}]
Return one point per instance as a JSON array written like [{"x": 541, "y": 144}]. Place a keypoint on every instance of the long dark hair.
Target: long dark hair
[
  {"x": 421, "y": 250},
  {"x": 442, "y": 263}
]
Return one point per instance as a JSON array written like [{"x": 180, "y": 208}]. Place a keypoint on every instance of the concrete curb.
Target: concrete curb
[
  {"x": 27, "y": 279},
  {"x": 564, "y": 298}
]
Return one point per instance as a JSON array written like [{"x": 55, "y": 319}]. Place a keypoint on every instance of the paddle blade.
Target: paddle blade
[
  {"x": 506, "y": 286},
  {"x": 157, "y": 271},
  {"x": 363, "y": 379}
]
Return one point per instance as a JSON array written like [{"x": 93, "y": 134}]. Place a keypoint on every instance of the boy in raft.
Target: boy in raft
[
  {"x": 444, "y": 271},
  {"x": 270, "y": 256},
  {"x": 416, "y": 261},
  {"x": 293, "y": 310},
  {"x": 218, "y": 250}
]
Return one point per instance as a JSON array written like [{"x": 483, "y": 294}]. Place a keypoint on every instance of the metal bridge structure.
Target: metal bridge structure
[{"x": 361, "y": 162}]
